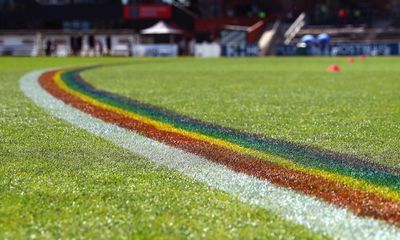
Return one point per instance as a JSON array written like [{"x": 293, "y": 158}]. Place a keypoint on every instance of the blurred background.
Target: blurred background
[{"x": 202, "y": 28}]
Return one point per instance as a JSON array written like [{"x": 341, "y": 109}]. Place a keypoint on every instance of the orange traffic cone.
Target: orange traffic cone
[
  {"x": 333, "y": 68},
  {"x": 351, "y": 60}
]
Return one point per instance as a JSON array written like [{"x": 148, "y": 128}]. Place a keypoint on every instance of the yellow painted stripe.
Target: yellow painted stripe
[{"x": 345, "y": 180}]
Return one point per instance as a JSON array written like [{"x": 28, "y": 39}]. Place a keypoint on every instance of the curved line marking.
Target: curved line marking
[
  {"x": 347, "y": 181},
  {"x": 305, "y": 210},
  {"x": 302, "y": 156},
  {"x": 361, "y": 203}
]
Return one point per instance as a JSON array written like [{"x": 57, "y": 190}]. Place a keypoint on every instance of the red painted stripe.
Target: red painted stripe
[{"x": 360, "y": 202}]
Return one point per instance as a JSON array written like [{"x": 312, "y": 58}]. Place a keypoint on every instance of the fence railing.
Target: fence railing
[{"x": 297, "y": 25}]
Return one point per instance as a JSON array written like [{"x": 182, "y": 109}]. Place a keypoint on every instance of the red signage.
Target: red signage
[{"x": 147, "y": 11}]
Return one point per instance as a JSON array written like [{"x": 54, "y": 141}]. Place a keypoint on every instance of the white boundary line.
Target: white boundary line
[{"x": 308, "y": 211}]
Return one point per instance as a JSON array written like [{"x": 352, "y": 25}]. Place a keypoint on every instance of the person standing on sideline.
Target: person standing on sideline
[
  {"x": 49, "y": 48},
  {"x": 108, "y": 45},
  {"x": 92, "y": 45}
]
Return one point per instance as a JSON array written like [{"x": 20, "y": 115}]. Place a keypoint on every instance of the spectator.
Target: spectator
[
  {"x": 79, "y": 45},
  {"x": 342, "y": 16},
  {"x": 72, "y": 44},
  {"x": 76, "y": 45},
  {"x": 323, "y": 42},
  {"x": 357, "y": 16},
  {"x": 324, "y": 13},
  {"x": 99, "y": 44},
  {"x": 192, "y": 46},
  {"x": 49, "y": 48},
  {"x": 182, "y": 46},
  {"x": 91, "y": 44},
  {"x": 108, "y": 45}
]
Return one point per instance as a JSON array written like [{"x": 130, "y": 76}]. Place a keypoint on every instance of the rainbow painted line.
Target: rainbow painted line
[{"x": 364, "y": 189}]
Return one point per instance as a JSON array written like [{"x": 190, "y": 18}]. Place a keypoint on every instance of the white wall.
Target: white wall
[{"x": 207, "y": 50}]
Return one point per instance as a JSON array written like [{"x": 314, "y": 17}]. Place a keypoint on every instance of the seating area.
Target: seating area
[{"x": 350, "y": 34}]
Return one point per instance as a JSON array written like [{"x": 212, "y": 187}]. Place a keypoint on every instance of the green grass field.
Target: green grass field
[
  {"x": 356, "y": 111},
  {"x": 57, "y": 181}
]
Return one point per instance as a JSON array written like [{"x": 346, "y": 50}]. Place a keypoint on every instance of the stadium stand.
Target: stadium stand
[{"x": 241, "y": 28}]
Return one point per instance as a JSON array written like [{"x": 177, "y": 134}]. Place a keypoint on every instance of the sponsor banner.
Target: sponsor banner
[
  {"x": 374, "y": 49},
  {"x": 155, "y": 50},
  {"x": 240, "y": 50},
  {"x": 147, "y": 11},
  {"x": 286, "y": 50},
  {"x": 343, "y": 49}
]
